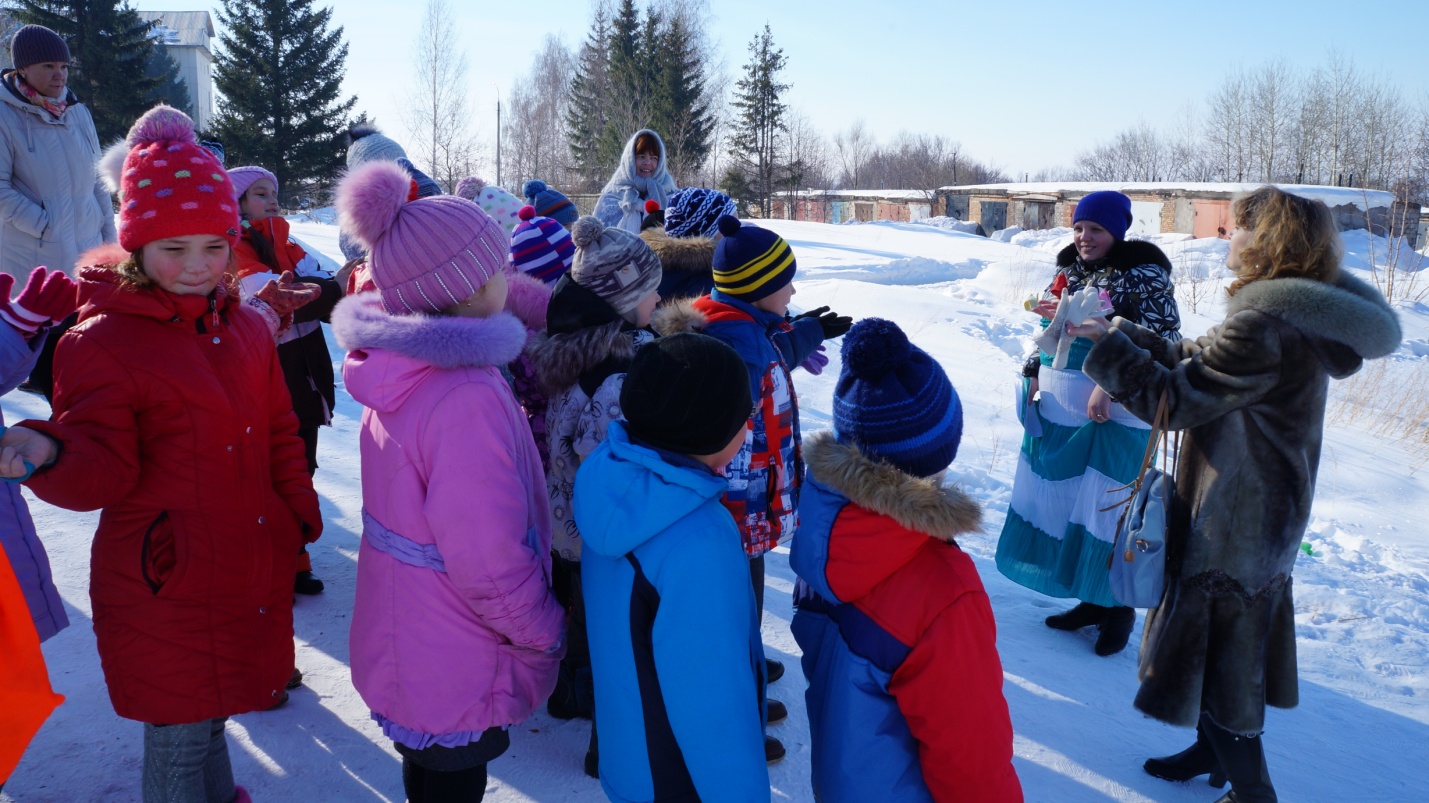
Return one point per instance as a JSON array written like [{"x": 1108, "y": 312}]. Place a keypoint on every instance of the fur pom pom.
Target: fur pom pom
[
  {"x": 533, "y": 187},
  {"x": 526, "y": 212},
  {"x": 728, "y": 225},
  {"x": 162, "y": 124},
  {"x": 360, "y": 130},
  {"x": 111, "y": 165},
  {"x": 875, "y": 346},
  {"x": 369, "y": 199},
  {"x": 652, "y": 206},
  {"x": 586, "y": 231},
  {"x": 469, "y": 187}
]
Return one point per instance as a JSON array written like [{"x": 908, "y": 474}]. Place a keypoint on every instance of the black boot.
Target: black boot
[
  {"x": 1115, "y": 630},
  {"x": 592, "y": 754},
  {"x": 1198, "y": 759},
  {"x": 773, "y": 750},
  {"x": 773, "y": 670},
  {"x": 1243, "y": 758},
  {"x": 1084, "y": 615},
  {"x": 307, "y": 583}
]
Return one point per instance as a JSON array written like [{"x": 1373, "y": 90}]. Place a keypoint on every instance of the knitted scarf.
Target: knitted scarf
[{"x": 49, "y": 104}]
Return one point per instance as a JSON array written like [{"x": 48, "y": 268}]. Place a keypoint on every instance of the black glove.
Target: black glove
[{"x": 833, "y": 324}]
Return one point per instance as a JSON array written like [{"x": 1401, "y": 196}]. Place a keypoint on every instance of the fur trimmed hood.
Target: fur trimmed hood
[
  {"x": 360, "y": 323},
  {"x": 561, "y": 358},
  {"x": 943, "y": 512},
  {"x": 678, "y": 316},
  {"x": 680, "y": 254},
  {"x": 1346, "y": 311},
  {"x": 1124, "y": 255}
]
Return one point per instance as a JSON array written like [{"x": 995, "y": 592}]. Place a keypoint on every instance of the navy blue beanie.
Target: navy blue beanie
[
  {"x": 550, "y": 203},
  {"x": 751, "y": 263},
  {"x": 1107, "y": 208},
  {"x": 36, "y": 44},
  {"x": 893, "y": 400}
]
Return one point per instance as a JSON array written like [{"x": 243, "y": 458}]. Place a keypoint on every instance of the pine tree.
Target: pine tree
[
  {"x": 109, "y": 48},
  {"x": 759, "y": 125},
  {"x": 678, "y": 109},
  {"x": 588, "y": 115},
  {"x": 625, "y": 102},
  {"x": 280, "y": 74}
]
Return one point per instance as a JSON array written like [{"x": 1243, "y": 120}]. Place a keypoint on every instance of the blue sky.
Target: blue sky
[{"x": 1024, "y": 84}]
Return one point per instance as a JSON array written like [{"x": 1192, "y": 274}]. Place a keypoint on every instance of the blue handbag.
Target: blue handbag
[{"x": 1137, "y": 564}]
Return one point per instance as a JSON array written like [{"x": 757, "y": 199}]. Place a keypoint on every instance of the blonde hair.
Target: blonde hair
[{"x": 1290, "y": 237}]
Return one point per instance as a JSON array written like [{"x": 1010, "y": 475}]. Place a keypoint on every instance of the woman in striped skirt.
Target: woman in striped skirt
[{"x": 1080, "y": 444}]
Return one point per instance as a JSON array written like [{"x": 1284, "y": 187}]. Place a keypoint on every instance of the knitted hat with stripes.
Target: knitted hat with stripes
[
  {"x": 894, "y": 401},
  {"x": 550, "y": 203},
  {"x": 751, "y": 263},
  {"x": 541, "y": 247},
  {"x": 427, "y": 255},
  {"x": 695, "y": 212},
  {"x": 169, "y": 185},
  {"x": 614, "y": 264}
]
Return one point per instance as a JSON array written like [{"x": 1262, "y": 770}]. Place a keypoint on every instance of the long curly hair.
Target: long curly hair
[{"x": 1290, "y": 237}]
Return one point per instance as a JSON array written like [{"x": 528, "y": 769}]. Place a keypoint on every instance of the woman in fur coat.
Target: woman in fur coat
[
  {"x": 1080, "y": 444},
  {"x": 1250, "y": 396}
]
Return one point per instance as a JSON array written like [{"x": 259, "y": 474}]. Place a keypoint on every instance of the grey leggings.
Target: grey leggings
[{"x": 187, "y": 763}]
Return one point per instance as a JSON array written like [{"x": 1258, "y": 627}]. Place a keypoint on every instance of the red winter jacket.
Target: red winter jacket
[{"x": 173, "y": 418}]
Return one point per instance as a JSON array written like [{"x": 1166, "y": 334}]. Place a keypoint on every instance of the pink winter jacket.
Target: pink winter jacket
[{"x": 454, "y": 628}]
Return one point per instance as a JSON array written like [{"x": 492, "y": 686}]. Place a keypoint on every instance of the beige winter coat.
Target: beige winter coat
[{"x": 52, "y": 205}]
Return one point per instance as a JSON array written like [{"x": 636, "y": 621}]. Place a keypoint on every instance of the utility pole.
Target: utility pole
[{"x": 498, "y": 133}]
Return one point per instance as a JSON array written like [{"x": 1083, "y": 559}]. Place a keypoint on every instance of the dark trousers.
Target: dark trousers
[{"x": 440, "y": 774}]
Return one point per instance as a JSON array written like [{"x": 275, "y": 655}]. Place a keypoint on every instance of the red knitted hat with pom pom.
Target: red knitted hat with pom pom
[{"x": 170, "y": 185}]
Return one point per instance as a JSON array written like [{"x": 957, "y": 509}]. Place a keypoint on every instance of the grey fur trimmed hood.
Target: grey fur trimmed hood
[
  {"x": 1346, "y": 311},
  {"x": 924, "y": 505}
]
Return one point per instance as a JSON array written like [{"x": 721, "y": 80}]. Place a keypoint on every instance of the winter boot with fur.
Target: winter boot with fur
[
  {"x": 1115, "y": 630},
  {"x": 1198, "y": 759},
  {"x": 1084, "y": 615},
  {"x": 1243, "y": 758}
]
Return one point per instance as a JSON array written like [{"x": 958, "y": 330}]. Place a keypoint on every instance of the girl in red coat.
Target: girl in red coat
[{"x": 171, "y": 415}]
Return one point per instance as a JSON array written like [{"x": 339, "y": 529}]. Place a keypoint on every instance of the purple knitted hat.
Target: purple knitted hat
[
  {"x": 245, "y": 177},
  {"x": 427, "y": 255}
]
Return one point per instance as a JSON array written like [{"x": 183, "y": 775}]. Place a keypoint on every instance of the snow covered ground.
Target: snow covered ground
[{"x": 1362, "y": 597}]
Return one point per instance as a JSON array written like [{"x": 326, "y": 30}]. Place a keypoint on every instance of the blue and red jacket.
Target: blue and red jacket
[
  {"x": 765, "y": 477},
  {"x": 905, "y": 684}
]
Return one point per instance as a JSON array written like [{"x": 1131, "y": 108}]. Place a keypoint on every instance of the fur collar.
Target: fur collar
[
  {"x": 916, "y": 503},
  {"x": 563, "y": 357},
  {"x": 1346, "y": 311},
  {"x": 360, "y": 322},
  {"x": 680, "y": 254},
  {"x": 679, "y": 316},
  {"x": 1124, "y": 255}
]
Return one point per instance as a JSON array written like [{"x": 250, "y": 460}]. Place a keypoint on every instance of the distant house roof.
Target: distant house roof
[
  {"x": 1332, "y": 196},
  {"x": 181, "y": 28},
  {"x": 887, "y": 195}
]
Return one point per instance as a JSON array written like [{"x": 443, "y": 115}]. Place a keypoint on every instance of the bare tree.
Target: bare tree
[
  {"x": 1272, "y": 104},
  {"x": 854, "y": 148},
  {"x": 437, "y": 117},
  {"x": 534, "y": 137},
  {"x": 808, "y": 156},
  {"x": 1228, "y": 128}
]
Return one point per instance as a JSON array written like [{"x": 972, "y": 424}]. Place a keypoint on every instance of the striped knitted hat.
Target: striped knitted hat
[
  {"x": 170, "y": 185},
  {"x": 751, "y": 263},
  {"x": 541, "y": 247},
  {"x": 614, "y": 264},
  {"x": 893, "y": 400},
  {"x": 695, "y": 212},
  {"x": 550, "y": 203},
  {"x": 426, "y": 255}
]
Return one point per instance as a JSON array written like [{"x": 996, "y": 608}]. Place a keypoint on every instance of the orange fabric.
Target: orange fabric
[
  {"x": 26, "y": 698},
  {"x": 245, "y": 258}
]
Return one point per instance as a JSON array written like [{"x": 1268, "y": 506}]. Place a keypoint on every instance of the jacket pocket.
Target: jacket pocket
[{"x": 158, "y": 554}]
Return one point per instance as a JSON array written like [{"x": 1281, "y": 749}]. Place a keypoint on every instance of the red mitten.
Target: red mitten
[
  {"x": 47, "y": 298},
  {"x": 286, "y": 294}
]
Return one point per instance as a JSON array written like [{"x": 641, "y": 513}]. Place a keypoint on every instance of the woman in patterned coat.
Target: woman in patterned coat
[{"x": 1080, "y": 444}]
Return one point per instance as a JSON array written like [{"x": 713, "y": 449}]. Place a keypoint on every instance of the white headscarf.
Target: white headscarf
[{"x": 628, "y": 186}]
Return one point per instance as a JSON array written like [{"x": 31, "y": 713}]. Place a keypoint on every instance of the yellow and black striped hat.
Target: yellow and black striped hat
[{"x": 749, "y": 262}]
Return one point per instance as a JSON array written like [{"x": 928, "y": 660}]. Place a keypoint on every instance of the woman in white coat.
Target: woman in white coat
[{"x": 53, "y": 206}]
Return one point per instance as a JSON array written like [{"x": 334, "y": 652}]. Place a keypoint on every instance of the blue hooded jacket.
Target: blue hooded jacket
[{"x": 674, "y": 642}]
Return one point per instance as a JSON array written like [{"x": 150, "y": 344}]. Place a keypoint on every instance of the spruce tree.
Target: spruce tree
[
  {"x": 759, "y": 124},
  {"x": 625, "y": 102},
  {"x": 677, "y": 106},
  {"x": 109, "y": 49},
  {"x": 280, "y": 71},
  {"x": 588, "y": 115}
]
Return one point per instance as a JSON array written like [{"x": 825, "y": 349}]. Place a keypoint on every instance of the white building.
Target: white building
[{"x": 187, "y": 34}]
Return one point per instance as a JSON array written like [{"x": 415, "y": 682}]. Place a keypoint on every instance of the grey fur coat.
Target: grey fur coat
[{"x": 1250, "y": 396}]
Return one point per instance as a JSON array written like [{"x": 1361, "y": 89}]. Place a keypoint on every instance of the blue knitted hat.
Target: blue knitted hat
[
  {"x": 751, "y": 263},
  {"x": 1107, "y": 208},
  {"x": 893, "y": 400},
  {"x": 550, "y": 203},
  {"x": 541, "y": 247},
  {"x": 695, "y": 212}
]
